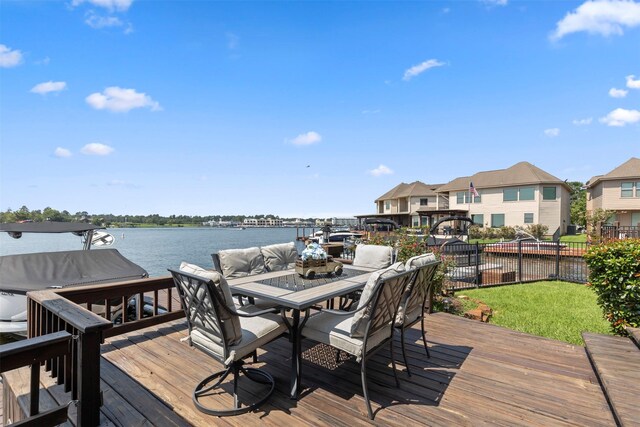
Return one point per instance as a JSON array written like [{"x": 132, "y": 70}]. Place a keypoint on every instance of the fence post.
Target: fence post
[
  {"x": 520, "y": 261},
  {"x": 477, "y": 279},
  {"x": 557, "y": 276}
]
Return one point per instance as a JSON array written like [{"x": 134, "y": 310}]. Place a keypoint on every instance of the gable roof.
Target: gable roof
[
  {"x": 523, "y": 173},
  {"x": 629, "y": 169},
  {"x": 415, "y": 189}
]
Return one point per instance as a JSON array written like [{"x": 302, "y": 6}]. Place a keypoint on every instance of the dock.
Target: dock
[{"x": 478, "y": 374}]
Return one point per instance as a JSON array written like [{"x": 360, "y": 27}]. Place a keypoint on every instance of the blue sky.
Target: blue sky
[{"x": 304, "y": 109}]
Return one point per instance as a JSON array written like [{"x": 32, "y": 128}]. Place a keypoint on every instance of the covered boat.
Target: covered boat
[{"x": 22, "y": 273}]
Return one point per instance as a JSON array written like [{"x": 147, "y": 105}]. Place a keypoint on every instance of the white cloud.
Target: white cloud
[
  {"x": 121, "y": 100},
  {"x": 9, "y": 57},
  {"x": 421, "y": 68},
  {"x": 381, "y": 170},
  {"x": 96, "y": 149},
  {"x": 48, "y": 87},
  {"x": 365, "y": 112},
  {"x": 617, "y": 93},
  {"x": 631, "y": 83},
  {"x": 232, "y": 41},
  {"x": 496, "y": 2},
  {"x": 552, "y": 133},
  {"x": 583, "y": 122},
  {"x": 621, "y": 117},
  {"x": 605, "y": 17},
  {"x": 307, "y": 138},
  {"x": 111, "y": 5},
  {"x": 97, "y": 21},
  {"x": 62, "y": 152}
]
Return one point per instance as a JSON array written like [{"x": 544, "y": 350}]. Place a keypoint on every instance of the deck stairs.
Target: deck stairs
[{"x": 616, "y": 362}]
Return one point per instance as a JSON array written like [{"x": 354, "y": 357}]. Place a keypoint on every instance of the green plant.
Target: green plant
[
  {"x": 537, "y": 230},
  {"x": 594, "y": 220},
  {"x": 614, "y": 275},
  {"x": 475, "y": 232},
  {"x": 506, "y": 232},
  {"x": 489, "y": 233}
]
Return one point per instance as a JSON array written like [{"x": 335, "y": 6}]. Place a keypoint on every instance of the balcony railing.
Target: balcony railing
[{"x": 88, "y": 313}]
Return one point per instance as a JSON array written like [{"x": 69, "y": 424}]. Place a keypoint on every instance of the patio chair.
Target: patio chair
[
  {"x": 226, "y": 334},
  {"x": 412, "y": 305},
  {"x": 366, "y": 330},
  {"x": 373, "y": 256},
  {"x": 281, "y": 256}
]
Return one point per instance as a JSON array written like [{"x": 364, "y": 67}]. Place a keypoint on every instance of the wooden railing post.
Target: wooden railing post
[{"x": 89, "y": 395}]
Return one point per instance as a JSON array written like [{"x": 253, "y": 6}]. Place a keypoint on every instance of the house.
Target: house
[
  {"x": 520, "y": 195},
  {"x": 408, "y": 204},
  {"x": 618, "y": 191}
]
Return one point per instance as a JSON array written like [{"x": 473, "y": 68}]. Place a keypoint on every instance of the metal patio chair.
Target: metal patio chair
[
  {"x": 226, "y": 334},
  {"x": 367, "y": 329},
  {"x": 412, "y": 306}
]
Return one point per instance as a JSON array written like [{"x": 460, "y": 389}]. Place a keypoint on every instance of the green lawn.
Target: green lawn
[
  {"x": 557, "y": 310},
  {"x": 578, "y": 238}
]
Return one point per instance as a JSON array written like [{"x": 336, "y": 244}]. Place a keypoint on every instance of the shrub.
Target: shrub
[
  {"x": 614, "y": 274},
  {"x": 507, "y": 233},
  {"x": 475, "y": 232},
  {"x": 489, "y": 233},
  {"x": 537, "y": 230}
]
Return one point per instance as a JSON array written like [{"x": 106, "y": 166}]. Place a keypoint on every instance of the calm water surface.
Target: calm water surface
[{"x": 156, "y": 249}]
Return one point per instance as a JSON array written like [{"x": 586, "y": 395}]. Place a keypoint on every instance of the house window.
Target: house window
[
  {"x": 527, "y": 193},
  {"x": 510, "y": 195},
  {"x": 638, "y": 189},
  {"x": 626, "y": 189},
  {"x": 464, "y": 197},
  {"x": 424, "y": 202},
  {"x": 528, "y": 218},
  {"x": 416, "y": 222},
  {"x": 548, "y": 193},
  {"x": 478, "y": 219},
  {"x": 478, "y": 198},
  {"x": 387, "y": 205},
  {"x": 497, "y": 220}
]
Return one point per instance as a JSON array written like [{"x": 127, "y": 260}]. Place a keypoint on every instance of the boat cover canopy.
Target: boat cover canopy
[
  {"x": 29, "y": 272},
  {"x": 47, "y": 227}
]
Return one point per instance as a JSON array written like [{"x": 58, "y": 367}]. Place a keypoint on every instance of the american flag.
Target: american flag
[{"x": 473, "y": 190}]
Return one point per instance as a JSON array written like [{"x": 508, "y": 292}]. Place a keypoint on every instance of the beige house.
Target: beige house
[
  {"x": 520, "y": 195},
  {"x": 618, "y": 191},
  {"x": 410, "y": 205}
]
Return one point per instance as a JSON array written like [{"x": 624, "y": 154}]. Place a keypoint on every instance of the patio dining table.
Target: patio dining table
[{"x": 288, "y": 290}]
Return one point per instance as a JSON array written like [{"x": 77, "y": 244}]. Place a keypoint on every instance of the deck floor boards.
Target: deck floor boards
[{"x": 478, "y": 374}]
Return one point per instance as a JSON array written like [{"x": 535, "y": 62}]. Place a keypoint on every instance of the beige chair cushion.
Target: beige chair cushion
[
  {"x": 231, "y": 323},
  {"x": 336, "y": 331},
  {"x": 255, "y": 332},
  {"x": 241, "y": 262},
  {"x": 418, "y": 261},
  {"x": 373, "y": 256},
  {"x": 360, "y": 318},
  {"x": 281, "y": 256}
]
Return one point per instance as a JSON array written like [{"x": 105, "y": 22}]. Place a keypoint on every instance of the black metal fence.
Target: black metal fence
[
  {"x": 490, "y": 264},
  {"x": 478, "y": 265}
]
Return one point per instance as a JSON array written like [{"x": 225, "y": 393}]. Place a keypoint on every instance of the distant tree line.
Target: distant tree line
[{"x": 50, "y": 214}]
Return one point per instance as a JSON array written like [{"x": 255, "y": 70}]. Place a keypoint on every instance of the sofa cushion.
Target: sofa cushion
[
  {"x": 417, "y": 261},
  {"x": 360, "y": 318},
  {"x": 241, "y": 262},
  {"x": 281, "y": 256}
]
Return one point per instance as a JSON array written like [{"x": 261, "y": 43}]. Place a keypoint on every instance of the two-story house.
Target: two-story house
[
  {"x": 618, "y": 191},
  {"x": 520, "y": 195},
  {"x": 410, "y": 205}
]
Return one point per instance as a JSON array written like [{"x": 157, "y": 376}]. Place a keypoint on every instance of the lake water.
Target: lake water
[{"x": 156, "y": 249}]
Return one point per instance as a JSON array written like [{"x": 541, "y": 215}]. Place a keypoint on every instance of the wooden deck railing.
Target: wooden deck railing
[
  {"x": 33, "y": 353},
  {"x": 87, "y": 314}
]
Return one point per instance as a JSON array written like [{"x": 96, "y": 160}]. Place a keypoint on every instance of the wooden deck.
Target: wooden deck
[{"x": 478, "y": 374}]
